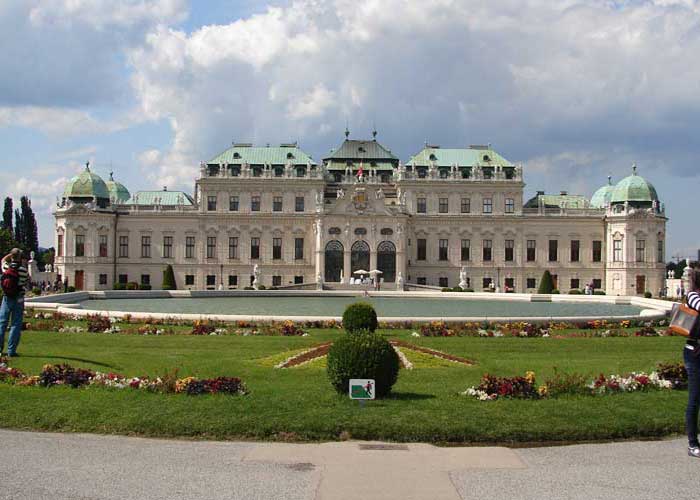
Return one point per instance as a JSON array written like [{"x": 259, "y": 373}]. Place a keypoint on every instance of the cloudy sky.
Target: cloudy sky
[{"x": 575, "y": 90}]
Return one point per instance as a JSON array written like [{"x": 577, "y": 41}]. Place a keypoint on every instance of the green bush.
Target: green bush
[
  {"x": 71, "y": 289},
  {"x": 119, "y": 286},
  {"x": 469, "y": 290},
  {"x": 169, "y": 278},
  {"x": 598, "y": 292},
  {"x": 647, "y": 295},
  {"x": 447, "y": 289},
  {"x": 359, "y": 316},
  {"x": 144, "y": 286},
  {"x": 132, "y": 285},
  {"x": 575, "y": 291},
  {"x": 36, "y": 290},
  {"x": 456, "y": 289},
  {"x": 261, "y": 287},
  {"x": 248, "y": 288},
  {"x": 555, "y": 292},
  {"x": 546, "y": 283},
  {"x": 363, "y": 355}
]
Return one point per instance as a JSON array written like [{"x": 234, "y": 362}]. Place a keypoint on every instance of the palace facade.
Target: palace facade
[{"x": 443, "y": 218}]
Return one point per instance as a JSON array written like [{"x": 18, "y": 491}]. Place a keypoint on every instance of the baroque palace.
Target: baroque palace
[{"x": 446, "y": 217}]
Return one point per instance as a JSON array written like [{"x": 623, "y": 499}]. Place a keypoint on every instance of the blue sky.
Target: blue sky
[{"x": 574, "y": 90}]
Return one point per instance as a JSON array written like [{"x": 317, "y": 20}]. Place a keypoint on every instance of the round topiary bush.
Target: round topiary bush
[
  {"x": 359, "y": 316},
  {"x": 363, "y": 355},
  {"x": 647, "y": 295}
]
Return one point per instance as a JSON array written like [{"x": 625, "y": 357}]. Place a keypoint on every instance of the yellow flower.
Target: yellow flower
[
  {"x": 530, "y": 377},
  {"x": 542, "y": 390}
]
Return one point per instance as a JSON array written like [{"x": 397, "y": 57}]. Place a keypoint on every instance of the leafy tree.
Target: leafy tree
[
  {"x": 47, "y": 257},
  {"x": 546, "y": 283},
  {"x": 7, "y": 214},
  {"x": 7, "y": 243},
  {"x": 30, "y": 230},
  {"x": 169, "y": 278},
  {"x": 19, "y": 228}
]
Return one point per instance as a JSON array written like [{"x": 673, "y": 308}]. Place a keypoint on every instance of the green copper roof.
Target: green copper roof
[
  {"x": 86, "y": 185},
  {"x": 602, "y": 197},
  {"x": 240, "y": 154},
  {"x": 365, "y": 151},
  {"x": 172, "y": 198},
  {"x": 117, "y": 191},
  {"x": 462, "y": 157},
  {"x": 366, "y": 165},
  {"x": 634, "y": 189},
  {"x": 558, "y": 201}
]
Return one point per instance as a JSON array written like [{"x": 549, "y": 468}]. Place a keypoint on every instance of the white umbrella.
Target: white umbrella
[
  {"x": 361, "y": 271},
  {"x": 375, "y": 271}
]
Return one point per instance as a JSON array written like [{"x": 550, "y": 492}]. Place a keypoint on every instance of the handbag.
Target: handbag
[{"x": 685, "y": 321}]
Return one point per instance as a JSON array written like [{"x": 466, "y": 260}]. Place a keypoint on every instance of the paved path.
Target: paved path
[{"x": 81, "y": 467}]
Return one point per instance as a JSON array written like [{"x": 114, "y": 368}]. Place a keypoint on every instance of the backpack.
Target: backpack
[{"x": 10, "y": 282}]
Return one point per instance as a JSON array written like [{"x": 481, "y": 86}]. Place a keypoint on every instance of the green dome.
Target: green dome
[
  {"x": 117, "y": 191},
  {"x": 602, "y": 197},
  {"x": 634, "y": 189},
  {"x": 86, "y": 185}
]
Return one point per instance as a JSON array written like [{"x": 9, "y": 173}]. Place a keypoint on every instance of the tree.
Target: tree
[
  {"x": 546, "y": 283},
  {"x": 7, "y": 243},
  {"x": 47, "y": 257},
  {"x": 19, "y": 228},
  {"x": 7, "y": 215},
  {"x": 30, "y": 231},
  {"x": 169, "y": 278}
]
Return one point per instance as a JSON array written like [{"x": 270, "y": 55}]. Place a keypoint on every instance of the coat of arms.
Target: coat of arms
[{"x": 359, "y": 199}]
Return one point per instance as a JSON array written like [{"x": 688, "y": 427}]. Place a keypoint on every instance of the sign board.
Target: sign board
[{"x": 362, "y": 388}]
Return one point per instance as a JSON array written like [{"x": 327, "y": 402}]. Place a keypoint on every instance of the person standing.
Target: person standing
[
  {"x": 691, "y": 359},
  {"x": 12, "y": 308}
]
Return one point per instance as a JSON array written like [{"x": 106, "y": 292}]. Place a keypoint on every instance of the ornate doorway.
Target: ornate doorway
[
  {"x": 334, "y": 261},
  {"x": 359, "y": 257},
  {"x": 386, "y": 261}
]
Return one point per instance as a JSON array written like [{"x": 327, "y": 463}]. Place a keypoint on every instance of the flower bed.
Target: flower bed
[
  {"x": 63, "y": 374},
  {"x": 432, "y": 352},
  {"x": 305, "y": 356},
  {"x": 667, "y": 376}
]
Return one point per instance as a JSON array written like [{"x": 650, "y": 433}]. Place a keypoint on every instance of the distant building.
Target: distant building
[{"x": 444, "y": 212}]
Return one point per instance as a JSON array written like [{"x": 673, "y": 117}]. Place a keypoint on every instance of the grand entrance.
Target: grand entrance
[
  {"x": 359, "y": 257},
  {"x": 334, "y": 261},
  {"x": 386, "y": 261}
]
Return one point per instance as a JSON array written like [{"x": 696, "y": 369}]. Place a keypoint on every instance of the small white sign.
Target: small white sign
[{"x": 361, "y": 388}]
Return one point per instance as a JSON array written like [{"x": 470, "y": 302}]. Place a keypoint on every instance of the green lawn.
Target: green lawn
[{"x": 299, "y": 403}]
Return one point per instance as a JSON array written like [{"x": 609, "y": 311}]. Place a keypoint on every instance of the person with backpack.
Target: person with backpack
[
  {"x": 691, "y": 359},
  {"x": 13, "y": 281}
]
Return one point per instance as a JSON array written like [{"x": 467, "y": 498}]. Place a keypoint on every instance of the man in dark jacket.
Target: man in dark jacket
[{"x": 12, "y": 308}]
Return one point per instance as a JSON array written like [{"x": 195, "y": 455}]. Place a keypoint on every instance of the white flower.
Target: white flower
[
  {"x": 415, "y": 334},
  {"x": 545, "y": 335}
]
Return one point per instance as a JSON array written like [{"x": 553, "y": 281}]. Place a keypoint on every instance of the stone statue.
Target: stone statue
[
  {"x": 463, "y": 278},
  {"x": 340, "y": 193},
  {"x": 256, "y": 277},
  {"x": 319, "y": 201},
  {"x": 399, "y": 282},
  {"x": 379, "y": 194},
  {"x": 319, "y": 281}
]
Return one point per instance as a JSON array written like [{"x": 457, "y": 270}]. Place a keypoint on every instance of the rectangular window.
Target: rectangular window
[
  {"x": 575, "y": 283},
  {"x": 298, "y": 280},
  {"x": 233, "y": 204},
  {"x": 103, "y": 279},
  {"x": 422, "y": 280},
  {"x": 660, "y": 251},
  {"x": 232, "y": 280},
  {"x": 466, "y": 205},
  {"x": 146, "y": 247},
  {"x": 443, "y": 205},
  {"x": 80, "y": 245},
  {"x": 255, "y": 248},
  {"x": 255, "y": 203},
  {"x": 189, "y": 247},
  {"x": 421, "y": 206},
  {"x": 465, "y": 254},
  {"x": 211, "y": 203},
  {"x": 145, "y": 279},
  {"x": 488, "y": 205},
  {"x": 276, "y": 248},
  {"x": 277, "y": 204},
  {"x": 640, "y": 251},
  {"x": 486, "y": 283},
  {"x": 597, "y": 251},
  {"x": 189, "y": 279},
  {"x": 575, "y": 250},
  {"x": 510, "y": 205},
  {"x": 299, "y": 204},
  {"x": 510, "y": 250},
  {"x": 509, "y": 284},
  {"x": 102, "y": 243},
  {"x": 443, "y": 282},
  {"x": 617, "y": 250},
  {"x": 298, "y": 248},
  {"x": 531, "y": 250},
  {"x": 167, "y": 247},
  {"x": 211, "y": 280},
  {"x": 442, "y": 249},
  {"x": 233, "y": 247},
  {"x": 60, "y": 245},
  {"x": 421, "y": 248},
  {"x": 531, "y": 283},
  {"x": 277, "y": 281},
  {"x": 597, "y": 284},
  {"x": 486, "y": 250},
  {"x": 123, "y": 279},
  {"x": 211, "y": 247},
  {"x": 553, "y": 250},
  {"x": 123, "y": 246}
]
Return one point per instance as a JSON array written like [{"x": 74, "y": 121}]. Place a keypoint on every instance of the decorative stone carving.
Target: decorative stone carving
[
  {"x": 399, "y": 282},
  {"x": 256, "y": 277},
  {"x": 463, "y": 278}
]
